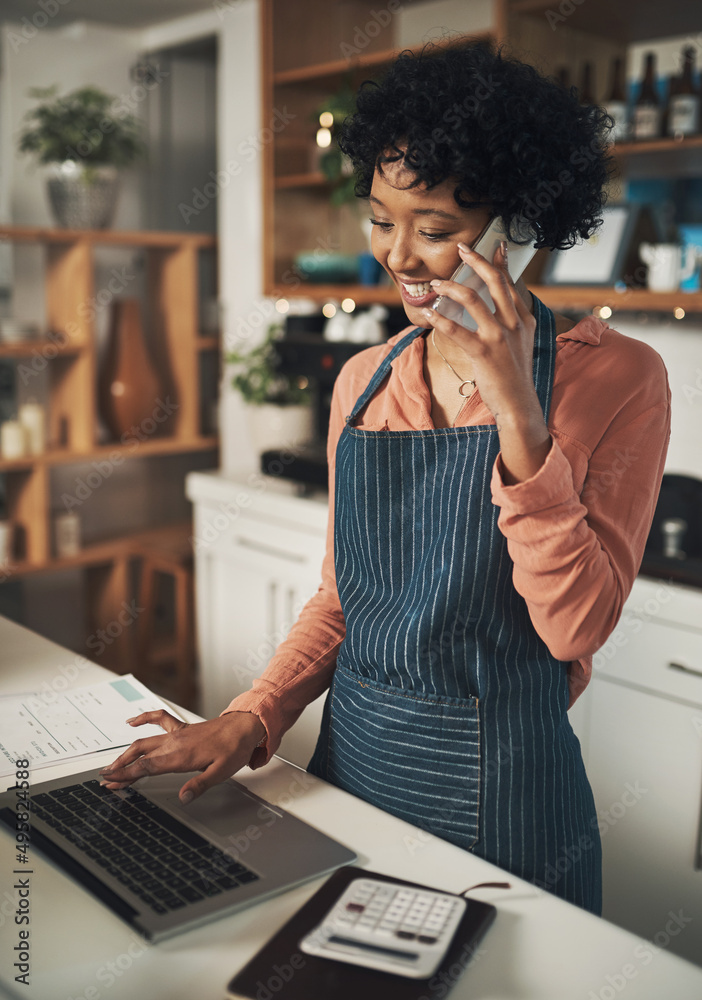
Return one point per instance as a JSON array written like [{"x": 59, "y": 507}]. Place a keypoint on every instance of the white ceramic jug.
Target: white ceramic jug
[{"x": 668, "y": 265}]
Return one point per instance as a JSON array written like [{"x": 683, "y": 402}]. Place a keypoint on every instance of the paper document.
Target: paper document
[{"x": 45, "y": 729}]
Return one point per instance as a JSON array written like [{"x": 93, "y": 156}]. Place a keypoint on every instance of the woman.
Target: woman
[{"x": 491, "y": 493}]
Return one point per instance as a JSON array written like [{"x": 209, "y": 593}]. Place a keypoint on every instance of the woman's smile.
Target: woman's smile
[{"x": 416, "y": 232}]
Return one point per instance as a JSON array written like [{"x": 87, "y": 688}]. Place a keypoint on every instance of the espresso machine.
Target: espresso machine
[
  {"x": 674, "y": 545},
  {"x": 303, "y": 351}
]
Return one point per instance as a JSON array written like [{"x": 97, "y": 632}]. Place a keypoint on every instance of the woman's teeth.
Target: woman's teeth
[{"x": 416, "y": 291}]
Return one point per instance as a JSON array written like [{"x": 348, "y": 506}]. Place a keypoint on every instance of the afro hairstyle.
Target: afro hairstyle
[{"x": 508, "y": 135}]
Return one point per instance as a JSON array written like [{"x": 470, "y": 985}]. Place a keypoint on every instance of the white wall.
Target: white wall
[
  {"x": 70, "y": 57},
  {"x": 679, "y": 343},
  {"x": 239, "y": 217}
]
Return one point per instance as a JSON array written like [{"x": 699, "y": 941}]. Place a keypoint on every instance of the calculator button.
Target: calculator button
[
  {"x": 355, "y": 907},
  {"x": 384, "y": 931},
  {"x": 426, "y": 939},
  {"x": 406, "y": 935}
]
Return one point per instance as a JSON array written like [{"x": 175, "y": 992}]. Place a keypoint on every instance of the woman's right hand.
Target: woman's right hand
[{"x": 218, "y": 748}]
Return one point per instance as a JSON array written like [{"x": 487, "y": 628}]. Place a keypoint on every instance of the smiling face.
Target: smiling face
[{"x": 415, "y": 233}]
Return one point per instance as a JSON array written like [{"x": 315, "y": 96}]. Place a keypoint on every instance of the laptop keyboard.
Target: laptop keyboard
[{"x": 151, "y": 853}]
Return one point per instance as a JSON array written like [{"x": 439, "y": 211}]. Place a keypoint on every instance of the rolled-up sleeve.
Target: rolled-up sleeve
[
  {"x": 303, "y": 664},
  {"x": 577, "y": 547}
]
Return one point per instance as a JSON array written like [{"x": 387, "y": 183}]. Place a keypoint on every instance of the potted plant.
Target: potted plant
[
  {"x": 278, "y": 404},
  {"x": 335, "y": 166},
  {"x": 85, "y": 141},
  {"x": 338, "y": 171}
]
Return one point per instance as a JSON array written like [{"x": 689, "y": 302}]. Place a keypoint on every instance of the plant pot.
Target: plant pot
[
  {"x": 83, "y": 197},
  {"x": 275, "y": 426}
]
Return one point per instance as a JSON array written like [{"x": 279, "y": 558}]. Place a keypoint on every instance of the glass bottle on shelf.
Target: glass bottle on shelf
[
  {"x": 647, "y": 110},
  {"x": 585, "y": 91},
  {"x": 615, "y": 104},
  {"x": 563, "y": 77},
  {"x": 684, "y": 105}
]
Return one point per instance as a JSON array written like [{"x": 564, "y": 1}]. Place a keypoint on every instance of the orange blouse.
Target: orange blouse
[{"x": 575, "y": 530}]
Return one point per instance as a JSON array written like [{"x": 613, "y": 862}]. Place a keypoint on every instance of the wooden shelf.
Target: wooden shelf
[
  {"x": 123, "y": 546},
  {"x": 627, "y": 300},
  {"x": 361, "y": 294},
  {"x": 663, "y": 145},
  {"x": 172, "y": 289},
  {"x": 295, "y": 211},
  {"x": 329, "y": 71},
  {"x": 585, "y": 298},
  {"x": 27, "y": 348},
  {"x": 316, "y": 179},
  {"x": 208, "y": 342},
  {"x": 133, "y": 449},
  {"x": 625, "y": 21},
  {"x": 107, "y": 237}
]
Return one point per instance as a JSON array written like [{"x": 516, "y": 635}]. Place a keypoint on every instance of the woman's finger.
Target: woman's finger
[
  {"x": 471, "y": 302},
  {"x": 498, "y": 280},
  {"x": 159, "y": 717},
  {"x": 520, "y": 305},
  {"x": 134, "y": 751}
]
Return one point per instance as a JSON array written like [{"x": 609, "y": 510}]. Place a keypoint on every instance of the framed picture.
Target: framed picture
[{"x": 599, "y": 260}]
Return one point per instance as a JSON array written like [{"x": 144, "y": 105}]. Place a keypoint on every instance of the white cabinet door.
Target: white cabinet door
[
  {"x": 645, "y": 765},
  {"x": 252, "y": 582}
]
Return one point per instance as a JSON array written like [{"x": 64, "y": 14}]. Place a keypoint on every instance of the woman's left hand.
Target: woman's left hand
[{"x": 501, "y": 353}]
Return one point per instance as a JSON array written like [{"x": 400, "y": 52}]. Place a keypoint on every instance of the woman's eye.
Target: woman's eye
[{"x": 385, "y": 227}]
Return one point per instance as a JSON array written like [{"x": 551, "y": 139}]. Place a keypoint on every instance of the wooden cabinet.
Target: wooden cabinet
[
  {"x": 68, "y": 352},
  {"x": 311, "y": 47},
  {"x": 640, "y": 725}
]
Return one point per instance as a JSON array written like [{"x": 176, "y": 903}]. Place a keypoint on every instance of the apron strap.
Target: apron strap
[
  {"x": 544, "y": 358},
  {"x": 383, "y": 371},
  {"x": 544, "y": 353}
]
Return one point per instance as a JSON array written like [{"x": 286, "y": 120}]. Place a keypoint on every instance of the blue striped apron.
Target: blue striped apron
[{"x": 446, "y": 707}]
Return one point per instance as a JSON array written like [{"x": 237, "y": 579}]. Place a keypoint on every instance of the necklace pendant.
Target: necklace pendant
[{"x": 468, "y": 381}]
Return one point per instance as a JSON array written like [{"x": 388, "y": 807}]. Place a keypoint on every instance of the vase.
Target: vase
[
  {"x": 275, "y": 426},
  {"x": 130, "y": 387},
  {"x": 83, "y": 197}
]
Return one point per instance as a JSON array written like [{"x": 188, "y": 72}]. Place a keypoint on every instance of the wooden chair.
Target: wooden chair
[{"x": 166, "y": 663}]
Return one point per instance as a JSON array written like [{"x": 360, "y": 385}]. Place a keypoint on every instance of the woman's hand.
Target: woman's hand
[
  {"x": 501, "y": 354},
  {"x": 218, "y": 748}
]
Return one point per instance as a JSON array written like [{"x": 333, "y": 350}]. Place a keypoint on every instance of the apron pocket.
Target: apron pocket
[{"x": 414, "y": 755}]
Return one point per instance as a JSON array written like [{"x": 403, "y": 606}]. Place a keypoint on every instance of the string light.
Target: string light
[
  {"x": 329, "y": 310},
  {"x": 282, "y": 305},
  {"x": 348, "y": 305},
  {"x": 679, "y": 312},
  {"x": 324, "y": 138},
  {"x": 604, "y": 312},
  {"x": 326, "y": 119}
]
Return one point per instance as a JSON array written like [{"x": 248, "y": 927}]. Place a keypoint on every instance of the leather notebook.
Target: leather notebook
[{"x": 281, "y": 971}]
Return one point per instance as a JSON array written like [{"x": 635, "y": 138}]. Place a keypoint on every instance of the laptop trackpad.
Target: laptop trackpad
[{"x": 226, "y": 809}]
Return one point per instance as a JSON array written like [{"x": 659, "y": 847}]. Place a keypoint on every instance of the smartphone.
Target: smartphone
[{"x": 518, "y": 256}]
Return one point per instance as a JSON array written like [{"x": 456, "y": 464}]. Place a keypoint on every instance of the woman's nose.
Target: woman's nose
[{"x": 402, "y": 256}]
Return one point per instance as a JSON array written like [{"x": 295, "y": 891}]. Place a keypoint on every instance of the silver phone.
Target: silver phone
[{"x": 518, "y": 256}]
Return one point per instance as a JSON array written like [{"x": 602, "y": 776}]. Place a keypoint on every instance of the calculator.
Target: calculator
[{"x": 388, "y": 926}]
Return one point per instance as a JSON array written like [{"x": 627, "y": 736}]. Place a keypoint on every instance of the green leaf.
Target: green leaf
[{"x": 86, "y": 125}]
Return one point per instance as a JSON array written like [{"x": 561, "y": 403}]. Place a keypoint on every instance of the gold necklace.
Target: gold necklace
[{"x": 463, "y": 381}]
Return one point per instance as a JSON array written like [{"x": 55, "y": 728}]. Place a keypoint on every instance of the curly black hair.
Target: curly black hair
[{"x": 511, "y": 137}]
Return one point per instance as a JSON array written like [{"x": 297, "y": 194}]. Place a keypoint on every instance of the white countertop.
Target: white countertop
[{"x": 539, "y": 948}]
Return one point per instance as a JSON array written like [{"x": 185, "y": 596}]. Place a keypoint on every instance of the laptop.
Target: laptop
[{"x": 163, "y": 867}]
